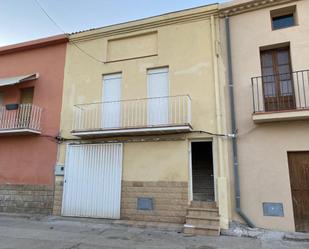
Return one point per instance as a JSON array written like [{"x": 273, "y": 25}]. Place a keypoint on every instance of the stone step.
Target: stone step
[
  {"x": 204, "y": 193},
  {"x": 201, "y": 230},
  {"x": 203, "y": 221},
  {"x": 203, "y": 204},
  {"x": 204, "y": 189},
  {"x": 203, "y": 186},
  {"x": 202, "y": 212},
  {"x": 203, "y": 197}
]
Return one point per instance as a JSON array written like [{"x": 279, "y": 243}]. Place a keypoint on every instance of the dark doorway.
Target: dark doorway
[
  {"x": 202, "y": 171},
  {"x": 299, "y": 178}
]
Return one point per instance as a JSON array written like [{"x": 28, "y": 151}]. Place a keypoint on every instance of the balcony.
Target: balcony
[
  {"x": 281, "y": 97},
  {"x": 23, "y": 119},
  {"x": 161, "y": 115}
]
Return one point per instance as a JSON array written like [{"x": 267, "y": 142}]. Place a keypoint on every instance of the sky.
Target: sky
[{"x": 23, "y": 20}]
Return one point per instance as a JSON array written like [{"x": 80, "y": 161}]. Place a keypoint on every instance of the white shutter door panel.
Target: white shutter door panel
[
  {"x": 111, "y": 97},
  {"x": 158, "y": 94},
  {"x": 92, "y": 186}
]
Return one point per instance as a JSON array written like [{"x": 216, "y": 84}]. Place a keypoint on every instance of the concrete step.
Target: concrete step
[
  {"x": 203, "y": 197},
  {"x": 201, "y": 230},
  {"x": 203, "y": 204},
  {"x": 203, "y": 221},
  {"x": 203, "y": 212}
]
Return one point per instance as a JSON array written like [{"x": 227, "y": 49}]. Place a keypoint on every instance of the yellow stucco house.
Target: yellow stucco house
[
  {"x": 143, "y": 123},
  {"x": 269, "y": 61},
  {"x": 198, "y": 117}
]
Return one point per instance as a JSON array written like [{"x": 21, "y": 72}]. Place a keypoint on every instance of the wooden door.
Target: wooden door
[
  {"x": 24, "y": 111},
  {"x": 26, "y": 95},
  {"x": 1, "y": 99},
  {"x": 299, "y": 178},
  {"x": 2, "y": 110},
  {"x": 277, "y": 80}
]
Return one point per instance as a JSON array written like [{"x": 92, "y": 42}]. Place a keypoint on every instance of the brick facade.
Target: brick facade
[
  {"x": 31, "y": 199},
  {"x": 170, "y": 201}
]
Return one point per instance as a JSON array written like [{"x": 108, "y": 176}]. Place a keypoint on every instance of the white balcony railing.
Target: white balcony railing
[
  {"x": 157, "y": 112},
  {"x": 25, "y": 117}
]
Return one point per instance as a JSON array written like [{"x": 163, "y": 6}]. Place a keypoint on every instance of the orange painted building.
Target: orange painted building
[{"x": 31, "y": 81}]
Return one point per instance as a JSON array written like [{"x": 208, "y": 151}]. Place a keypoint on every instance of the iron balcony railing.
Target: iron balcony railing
[
  {"x": 135, "y": 113},
  {"x": 26, "y": 116},
  {"x": 281, "y": 92}
]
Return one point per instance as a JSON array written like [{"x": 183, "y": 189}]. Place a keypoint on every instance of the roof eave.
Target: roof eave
[{"x": 48, "y": 41}]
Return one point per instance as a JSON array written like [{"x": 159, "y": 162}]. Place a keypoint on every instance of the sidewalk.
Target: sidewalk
[{"x": 32, "y": 232}]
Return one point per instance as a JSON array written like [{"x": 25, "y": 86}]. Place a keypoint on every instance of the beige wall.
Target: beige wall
[
  {"x": 185, "y": 48},
  {"x": 156, "y": 161},
  {"x": 263, "y": 148},
  {"x": 186, "y": 42}
]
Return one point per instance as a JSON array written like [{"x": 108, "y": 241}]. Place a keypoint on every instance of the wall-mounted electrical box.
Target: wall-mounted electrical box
[
  {"x": 59, "y": 170},
  {"x": 273, "y": 209},
  {"x": 144, "y": 203}
]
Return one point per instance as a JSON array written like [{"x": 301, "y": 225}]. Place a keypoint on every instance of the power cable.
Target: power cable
[
  {"x": 215, "y": 134},
  {"x": 98, "y": 60},
  {"x": 62, "y": 30}
]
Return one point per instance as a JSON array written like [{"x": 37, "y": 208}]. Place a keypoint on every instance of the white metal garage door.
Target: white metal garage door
[{"x": 92, "y": 186}]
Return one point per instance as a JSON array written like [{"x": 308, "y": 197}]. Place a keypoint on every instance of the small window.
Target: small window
[{"x": 283, "y": 18}]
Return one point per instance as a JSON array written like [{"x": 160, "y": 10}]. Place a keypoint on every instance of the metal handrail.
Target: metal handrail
[
  {"x": 133, "y": 113},
  {"x": 26, "y": 116},
  {"x": 273, "y": 92}
]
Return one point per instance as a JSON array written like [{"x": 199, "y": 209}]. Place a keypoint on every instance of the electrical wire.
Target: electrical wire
[
  {"x": 61, "y": 139},
  {"x": 66, "y": 34},
  {"x": 215, "y": 134}
]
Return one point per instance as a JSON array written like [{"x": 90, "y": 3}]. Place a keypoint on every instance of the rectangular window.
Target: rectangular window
[{"x": 283, "y": 18}]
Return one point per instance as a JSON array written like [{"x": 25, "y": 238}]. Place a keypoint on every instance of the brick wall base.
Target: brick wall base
[
  {"x": 170, "y": 201},
  {"x": 31, "y": 199}
]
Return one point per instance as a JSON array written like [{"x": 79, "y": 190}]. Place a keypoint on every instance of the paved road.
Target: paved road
[{"x": 51, "y": 233}]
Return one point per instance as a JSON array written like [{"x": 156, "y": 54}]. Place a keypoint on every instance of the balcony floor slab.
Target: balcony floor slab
[
  {"x": 21, "y": 131},
  {"x": 281, "y": 116},
  {"x": 133, "y": 131}
]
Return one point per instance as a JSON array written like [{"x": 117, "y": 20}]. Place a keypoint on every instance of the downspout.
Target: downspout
[{"x": 233, "y": 124}]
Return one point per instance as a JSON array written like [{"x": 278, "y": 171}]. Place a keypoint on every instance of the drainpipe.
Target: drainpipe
[{"x": 233, "y": 124}]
